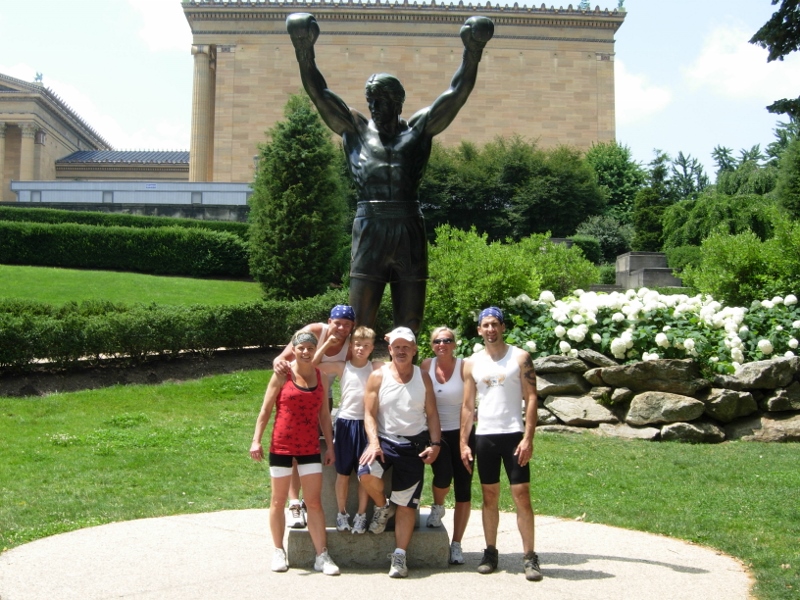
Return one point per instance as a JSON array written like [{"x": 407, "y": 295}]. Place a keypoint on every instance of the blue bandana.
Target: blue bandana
[
  {"x": 343, "y": 311},
  {"x": 492, "y": 311}
]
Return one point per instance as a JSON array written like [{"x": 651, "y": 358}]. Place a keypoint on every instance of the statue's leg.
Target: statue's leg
[
  {"x": 365, "y": 298},
  {"x": 408, "y": 303}
]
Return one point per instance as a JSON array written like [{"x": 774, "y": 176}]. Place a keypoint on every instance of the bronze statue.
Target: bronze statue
[{"x": 387, "y": 156}]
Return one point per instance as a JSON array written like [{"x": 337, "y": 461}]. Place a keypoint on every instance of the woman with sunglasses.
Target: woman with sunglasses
[{"x": 446, "y": 372}]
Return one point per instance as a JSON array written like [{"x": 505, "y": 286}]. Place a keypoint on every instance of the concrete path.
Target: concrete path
[{"x": 226, "y": 555}]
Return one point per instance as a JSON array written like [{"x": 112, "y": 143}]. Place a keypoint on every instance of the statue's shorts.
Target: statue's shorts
[{"x": 389, "y": 242}]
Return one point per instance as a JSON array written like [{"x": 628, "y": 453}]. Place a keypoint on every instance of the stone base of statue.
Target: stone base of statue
[{"x": 429, "y": 547}]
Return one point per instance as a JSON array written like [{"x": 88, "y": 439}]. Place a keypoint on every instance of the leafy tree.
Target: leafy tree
[
  {"x": 614, "y": 236},
  {"x": 688, "y": 178},
  {"x": 619, "y": 175},
  {"x": 749, "y": 175},
  {"x": 297, "y": 207},
  {"x": 648, "y": 206},
  {"x": 788, "y": 187},
  {"x": 780, "y": 35}
]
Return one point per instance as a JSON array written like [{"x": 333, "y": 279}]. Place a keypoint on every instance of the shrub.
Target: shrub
[
  {"x": 614, "y": 236},
  {"x": 590, "y": 246},
  {"x": 683, "y": 256},
  {"x": 554, "y": 266},
  {"x": 103, "y": 219},
  {"x": 162, "y": 250}
]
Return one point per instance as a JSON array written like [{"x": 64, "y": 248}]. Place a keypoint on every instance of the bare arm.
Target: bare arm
[
  {"x": 475, "y": 33},
  {"x": 373, "y": 450},
  {"x": 524, "y": 450},
  {"x": 270, "y": 397},
  {"x": 434, "y": 426},
  {"x": 304, "y": 31},
  {"x": 467, "y": 414},
  {"x": 325, "y": 423}
]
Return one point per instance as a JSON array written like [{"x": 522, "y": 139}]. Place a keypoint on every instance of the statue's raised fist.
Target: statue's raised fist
[
  {"x": 303, "y": 30},
  {"x": 476, "y": 32}
]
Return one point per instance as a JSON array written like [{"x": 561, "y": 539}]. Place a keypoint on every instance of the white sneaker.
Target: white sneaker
[
  {"x": 435, "y": 518},
  {"x": 398, "y": 570},
  {"x": 342, "y": 522},
  {"x": 297, "y": 516},
  {"x": 324, "y": 563},
  {"x": 381, "y": 516},
  {"x": 360, "y": 523},
  {"x": 279, "y": 562},
  {"x": 456, "y": 557}
]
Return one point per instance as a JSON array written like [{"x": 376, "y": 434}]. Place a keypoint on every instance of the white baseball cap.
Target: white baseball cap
[{"x": 402, "y": 333}]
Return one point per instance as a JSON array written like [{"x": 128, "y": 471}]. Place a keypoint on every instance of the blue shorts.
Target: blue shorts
[
  {"x": 408, "y": 470},
  {"x": 495, "y": 448},
  {"x": 349, "y": 443}
]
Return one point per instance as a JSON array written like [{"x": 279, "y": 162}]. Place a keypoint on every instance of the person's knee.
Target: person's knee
[
  {"x": 491, "y": 495},
  {"x": 521, "y": 494}
]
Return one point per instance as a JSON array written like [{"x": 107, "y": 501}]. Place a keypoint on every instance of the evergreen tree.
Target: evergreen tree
[
  {"x": 619, "y": 175},
  {"x": 297, "y": 207},
  {"x": 781, "y": 36},
  {"x": 788, "y": 188}
]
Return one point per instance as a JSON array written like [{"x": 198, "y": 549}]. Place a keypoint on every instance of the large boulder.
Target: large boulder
[
  {"x": 772, "y": 427},
  {"x": 694, "y": 433},
  {"x": 593, "y": 357},
  {"x": 594, "y": 376},
  {"x": 783, "y": 399},
  {"x": 622, "y": 395},
  {"x": 559, "y": 364},
  {"x": 579, "y": 410},
  {"x": 665, "y": 375},
  {"x": 559, "y": 384},
  {"x": 601, "y": 394},
  {"x": 624, "y": 431},
  {"x": 726, "y": 405},
  {"x": 761, "y": 374},
  {"x": 652, "y": 408},
  {"x": 545, "y": 417}
]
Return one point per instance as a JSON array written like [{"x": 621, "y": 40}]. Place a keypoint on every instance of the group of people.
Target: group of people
[{"x": 448, "y": 413}]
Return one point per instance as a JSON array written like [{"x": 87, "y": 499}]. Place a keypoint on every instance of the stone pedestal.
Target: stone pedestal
[{"x": 429, "y": 548}]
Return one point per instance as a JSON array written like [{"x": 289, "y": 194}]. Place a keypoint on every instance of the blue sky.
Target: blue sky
[{"x": 686, "y": 77}]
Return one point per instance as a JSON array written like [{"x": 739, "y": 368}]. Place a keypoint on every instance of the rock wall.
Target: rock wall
[{"x": 669, "y": 399}]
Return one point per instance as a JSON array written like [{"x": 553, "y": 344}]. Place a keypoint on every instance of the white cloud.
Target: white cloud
[
  {"x": 165, "y": 26},
  {"x": 731, "y": 67},
  {"x": 637, "y": 99}
]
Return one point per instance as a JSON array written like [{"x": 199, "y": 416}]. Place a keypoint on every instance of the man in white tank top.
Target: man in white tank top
[
  {"x": 403, "y": 432},
  {"x": 339, "y": 326},
  {"x": 501, "y": 382}
]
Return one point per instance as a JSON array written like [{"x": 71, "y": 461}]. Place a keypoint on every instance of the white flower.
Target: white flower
[
  {"x": 458, "y": 343},
  {"x": 596, "y": 338},
  {"x": 743, "y": 329},
  {"x": 666, "y": 328},
  {"x": 560, "y": 331},
  {"x": 477, "y": 348},
  {"x": 617, "y": 317},
  {"x": 547, "y": 297},
  {"x": 767, "y": 304},
  {"x": 777, "y": 300},
  {"x": 714, "y": 359},
  {"x": 790, "y": 300},
  {"x": 789, "y": 354},
  {"x": 646, "y": 356},
  {"x": 793, "y": 343},
  {"x": 688, "y": 344},
  {"x": 778, "y": 327},
  {"x": 576, "y": 334},
  {"x": 737, "y": 355},
  {"x": 662, "y": 340},
  {"x": 564, "y": 347},
  {"x": 577, "y": 319},
  {"x": 765, "y": 346},
  {"x": 796, "y": 324},
  {"x": 573, "y": 353},
  {"x": 531, "y": 345},
  {"x": 618, "y": 347}
]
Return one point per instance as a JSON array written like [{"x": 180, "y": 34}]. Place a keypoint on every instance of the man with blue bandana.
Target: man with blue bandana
[
  {"x": 501, "y": 382},
  {"x": 339, "y": 326}
]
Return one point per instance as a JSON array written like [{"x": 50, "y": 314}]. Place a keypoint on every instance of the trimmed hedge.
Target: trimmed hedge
[
  {"x": 31, "y": 332},
  {"x": 590, "y": 246},
  {"x": 161, "y": 250},
  {"x": 55, "y": 216}
]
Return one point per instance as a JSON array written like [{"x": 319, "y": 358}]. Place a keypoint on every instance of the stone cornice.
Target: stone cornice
[{"x": 244, "y": 10}]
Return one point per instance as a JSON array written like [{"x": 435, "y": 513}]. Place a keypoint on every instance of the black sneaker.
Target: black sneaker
[
  {"x": 531, "y": 564},
  {"x": 488, "y": 562}
]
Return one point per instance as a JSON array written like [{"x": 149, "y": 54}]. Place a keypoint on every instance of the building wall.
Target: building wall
[{"x": 547, "y": 74}]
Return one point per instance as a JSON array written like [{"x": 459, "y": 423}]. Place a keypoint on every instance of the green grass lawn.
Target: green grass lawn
[
  {"x": 72, "y": 460},
  {"x": 57, "y": 286}
]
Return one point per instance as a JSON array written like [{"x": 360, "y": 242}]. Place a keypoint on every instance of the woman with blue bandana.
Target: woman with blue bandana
[
  {"x": 300, "y": 413},
  {"x": 339, "y": 326}
]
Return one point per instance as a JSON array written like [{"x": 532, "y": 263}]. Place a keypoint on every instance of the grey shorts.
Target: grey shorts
[{"x": 389, "y": 242}]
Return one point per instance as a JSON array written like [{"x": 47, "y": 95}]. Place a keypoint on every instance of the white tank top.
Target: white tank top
[
  {"x": 352, "y": 385},
  {"x": 341, "y": 356},
  {"x": 499, "y": 398},
  {"x": 401, "y": 406},
  {"x": 449, "y": 396}
]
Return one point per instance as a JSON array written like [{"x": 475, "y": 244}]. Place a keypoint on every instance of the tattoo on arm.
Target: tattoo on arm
[{"x": 529, "y": 371}]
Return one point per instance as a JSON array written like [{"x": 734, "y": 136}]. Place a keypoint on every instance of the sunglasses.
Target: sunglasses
[{"x": 443, "y": 341}]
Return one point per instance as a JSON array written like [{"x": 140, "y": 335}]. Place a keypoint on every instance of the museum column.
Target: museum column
[
  {"x": 201, "y": 149},
  {"x": 26, "y": 155},
  {"x": 2, "y": 161}
]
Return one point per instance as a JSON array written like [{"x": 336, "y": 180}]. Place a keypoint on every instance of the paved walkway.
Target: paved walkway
[{"x": 226, "y": 555}]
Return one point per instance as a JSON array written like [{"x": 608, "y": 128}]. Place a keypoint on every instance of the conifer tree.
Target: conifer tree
[{"x": 297, "y": 207}]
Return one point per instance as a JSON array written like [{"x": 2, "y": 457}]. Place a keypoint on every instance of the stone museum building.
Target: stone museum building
[{"x": 547, "y": 75}]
